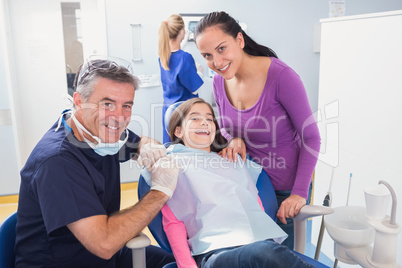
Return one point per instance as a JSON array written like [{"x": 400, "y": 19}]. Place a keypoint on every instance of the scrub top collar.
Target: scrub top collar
[
  {"x": 72, "y": 138},
  {"x": 70, "y": 134}
]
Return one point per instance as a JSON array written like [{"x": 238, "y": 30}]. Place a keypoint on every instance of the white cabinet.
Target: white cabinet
[{"x": 360, "y": 101}]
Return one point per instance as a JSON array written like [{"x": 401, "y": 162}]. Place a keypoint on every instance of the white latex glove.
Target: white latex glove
[
  {"x": 164, "y": 175},
  {"x": 150, "y": 153}
]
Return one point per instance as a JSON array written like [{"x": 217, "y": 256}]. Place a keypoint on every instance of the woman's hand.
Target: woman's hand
[
  {"x": 290, "y": 207},
  {"x": 235, "y": 146}
]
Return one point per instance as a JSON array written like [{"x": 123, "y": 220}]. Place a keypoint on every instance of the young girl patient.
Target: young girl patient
[{"x": 215, "y": 217}]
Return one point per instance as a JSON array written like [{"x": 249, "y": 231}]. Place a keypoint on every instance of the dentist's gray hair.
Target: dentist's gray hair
[{"x": 89, "y": 72}]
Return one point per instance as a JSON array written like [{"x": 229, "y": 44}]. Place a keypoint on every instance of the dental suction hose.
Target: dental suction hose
[{"x": 394, "y": 203}]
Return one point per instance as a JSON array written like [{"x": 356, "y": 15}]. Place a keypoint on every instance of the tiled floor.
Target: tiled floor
[{"x": 128, "y": 198}]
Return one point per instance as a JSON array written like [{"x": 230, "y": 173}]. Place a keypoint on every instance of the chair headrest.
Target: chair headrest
[{"x": 169, "y": 113}]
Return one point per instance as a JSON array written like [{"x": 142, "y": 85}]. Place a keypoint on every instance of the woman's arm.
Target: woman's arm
[
  {"x": 293, "y": 97},
  {"x": 177, "y": 236}
]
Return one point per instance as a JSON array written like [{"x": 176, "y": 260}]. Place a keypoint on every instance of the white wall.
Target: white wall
[
  {"x": 285, "y": 26},
  {"x": 360, "y": 104},
  {"x": 9, "y": 167},
  {"x": 39, "y": 84},
  {"x": 36, "y": 72}
]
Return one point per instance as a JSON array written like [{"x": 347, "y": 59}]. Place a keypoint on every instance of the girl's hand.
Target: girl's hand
[
  {"x": 290, "y": 207},
  {"x": 235, "y": 146}
]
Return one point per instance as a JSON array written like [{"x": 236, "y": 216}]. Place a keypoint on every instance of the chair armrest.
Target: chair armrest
[
  {"x": 138, "y": 245},
  {"x": 309, "y": 211},
  {"x": 140, "y": 241},
  {"x": 299, "y": 221}
]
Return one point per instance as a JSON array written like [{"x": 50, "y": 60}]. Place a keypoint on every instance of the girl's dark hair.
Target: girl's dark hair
[
  {"x": 180, "y": 113},
  {"x": 229, "y": 25}
]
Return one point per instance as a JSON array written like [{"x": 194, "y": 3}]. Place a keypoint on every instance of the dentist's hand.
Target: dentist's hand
[
  {"x": 150, "y": 153},
  {"x": 164, "y": 175},
  {"x": 235, "y": 146}
]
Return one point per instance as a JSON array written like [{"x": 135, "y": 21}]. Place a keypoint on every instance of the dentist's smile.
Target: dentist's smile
[{"x": 111, "y": 127}]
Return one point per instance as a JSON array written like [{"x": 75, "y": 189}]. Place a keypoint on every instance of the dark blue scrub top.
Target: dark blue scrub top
[
  {"x": 64, "y": 180},
  {"x": 181, "y": 80},
  {"x": 178, "y": 83}
]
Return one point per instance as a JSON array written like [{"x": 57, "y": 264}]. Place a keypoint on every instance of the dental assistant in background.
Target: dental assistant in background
[
  {"x": 207, "y": 224},
  {"x": 69, "y": 200},
  {"x": 180, "y": 80},
  {"x": 263, "y": 110}
]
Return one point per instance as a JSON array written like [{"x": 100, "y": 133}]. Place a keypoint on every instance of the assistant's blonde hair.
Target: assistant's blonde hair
[{"x": 168, "y": 30}]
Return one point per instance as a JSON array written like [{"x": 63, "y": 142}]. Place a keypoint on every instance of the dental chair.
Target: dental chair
[
  {"x": 7, "y": 241},
  {"x": 268, "y": 199}
]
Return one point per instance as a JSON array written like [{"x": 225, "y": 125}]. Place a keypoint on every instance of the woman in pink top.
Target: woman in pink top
[{"x": 263, "y": 110}]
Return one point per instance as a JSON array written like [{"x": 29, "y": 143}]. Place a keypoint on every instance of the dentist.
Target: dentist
[{"x": 69, "y": 201}]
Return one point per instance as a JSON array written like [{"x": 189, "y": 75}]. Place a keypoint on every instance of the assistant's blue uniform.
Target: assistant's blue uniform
[
  {"x": 64, "y": 180},
  {"x": 179, "y": 82}
]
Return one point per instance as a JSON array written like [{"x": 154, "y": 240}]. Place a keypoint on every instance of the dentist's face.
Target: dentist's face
[
  {"x": 107, "y": 112},
  {"x": 198, "y": 128},
  {"x": 222, "y": 52}
]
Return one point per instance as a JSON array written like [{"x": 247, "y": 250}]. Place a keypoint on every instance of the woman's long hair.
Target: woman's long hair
[
  {"x": 168, "y": 30},
  {"x": 229, "y": 25}
]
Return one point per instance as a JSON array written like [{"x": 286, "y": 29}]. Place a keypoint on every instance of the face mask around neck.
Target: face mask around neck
[{"x": 100, "y": 148}]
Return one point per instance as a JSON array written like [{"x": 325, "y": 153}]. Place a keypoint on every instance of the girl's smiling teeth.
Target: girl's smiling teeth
[{"x": 202, "y": 132}]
